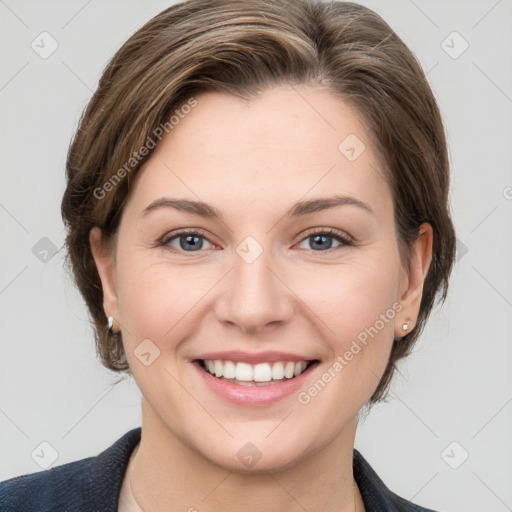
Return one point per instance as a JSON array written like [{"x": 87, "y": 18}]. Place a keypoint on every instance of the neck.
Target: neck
[{"x": 166, "y": 474}]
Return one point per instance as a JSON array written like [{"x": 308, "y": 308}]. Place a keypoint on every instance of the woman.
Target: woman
[{"x": 258, "y": 220}]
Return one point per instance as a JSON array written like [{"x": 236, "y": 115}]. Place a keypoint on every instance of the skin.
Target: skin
[{"x": 252, "y": 160}]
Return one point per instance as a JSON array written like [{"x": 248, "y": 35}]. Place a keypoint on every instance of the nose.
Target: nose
[{"x": 254, "y": 296}]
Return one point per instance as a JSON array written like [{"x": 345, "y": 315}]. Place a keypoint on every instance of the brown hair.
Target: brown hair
[{"x": 242, "y": 47}]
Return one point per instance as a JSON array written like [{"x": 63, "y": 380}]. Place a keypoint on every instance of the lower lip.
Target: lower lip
[{"x": 253, "y": 395}]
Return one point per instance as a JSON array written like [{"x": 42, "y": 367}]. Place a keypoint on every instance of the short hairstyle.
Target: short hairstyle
[{"x": 242, "y": 47}]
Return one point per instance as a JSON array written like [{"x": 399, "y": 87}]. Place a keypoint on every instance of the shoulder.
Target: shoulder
[
  {"x": 376, "y": 495},
  {"x": 46, "y": 490},
  {"x": 91, "y": 484}
]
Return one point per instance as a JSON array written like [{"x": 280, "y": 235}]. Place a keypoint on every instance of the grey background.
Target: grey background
[{"x": 456, "y": 386}]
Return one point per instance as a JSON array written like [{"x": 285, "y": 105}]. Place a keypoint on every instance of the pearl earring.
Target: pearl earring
[
  {"x": 110, "y": 324},
  {"x": 405, "y": 327}
]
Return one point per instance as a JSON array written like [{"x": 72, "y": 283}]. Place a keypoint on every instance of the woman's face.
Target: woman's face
[{"x": 265, "y": 280}]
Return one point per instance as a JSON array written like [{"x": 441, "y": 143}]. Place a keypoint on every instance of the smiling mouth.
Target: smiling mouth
[{"x": 261, "y": 374}]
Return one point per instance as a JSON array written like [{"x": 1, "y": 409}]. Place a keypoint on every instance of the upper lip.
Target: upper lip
[{"x": 252, "y": 357}]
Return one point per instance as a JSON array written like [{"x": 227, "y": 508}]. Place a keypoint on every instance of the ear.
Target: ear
[
  {"x": 104, "y": 258},
  {"x": 411, "y": 285}
]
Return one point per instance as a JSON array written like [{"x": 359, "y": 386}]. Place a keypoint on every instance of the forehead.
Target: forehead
[{"x": 278, "y": 147}]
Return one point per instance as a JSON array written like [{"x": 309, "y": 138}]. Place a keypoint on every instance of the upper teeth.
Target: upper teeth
[{"x": 262, "y": 372}]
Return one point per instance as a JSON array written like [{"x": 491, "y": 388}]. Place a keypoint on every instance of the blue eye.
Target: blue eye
[
  {"x": 322, "y": 239},
  {"x": 187, "y": 241}
]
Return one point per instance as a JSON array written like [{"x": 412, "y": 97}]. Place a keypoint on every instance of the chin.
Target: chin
[
  {"x": 257, "y": 454},
  {"x": 250, "y": 460}
]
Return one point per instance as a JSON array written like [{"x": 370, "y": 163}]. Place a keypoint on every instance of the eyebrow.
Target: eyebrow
[{"x": 297, "y": 210}]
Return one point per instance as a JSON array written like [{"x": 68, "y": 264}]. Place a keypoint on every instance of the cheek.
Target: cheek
[
  {"x": 359, "y": 316},
  {"x": 159, "y": 301},
  {"x": 152, "y": 306},
  {"x": 351, "y": 297},
  {"x": 357, "y": 304}
]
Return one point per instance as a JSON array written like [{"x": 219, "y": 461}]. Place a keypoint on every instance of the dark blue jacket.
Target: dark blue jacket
[{"x": 93, "y": 485}]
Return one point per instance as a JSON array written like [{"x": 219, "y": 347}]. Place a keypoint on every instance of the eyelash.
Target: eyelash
[{"x": 330, "y": 232}]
